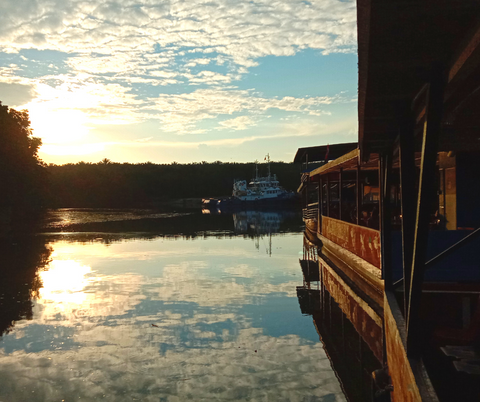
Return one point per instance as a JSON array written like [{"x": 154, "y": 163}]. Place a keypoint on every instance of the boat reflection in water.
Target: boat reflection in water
[
  {"x": 263, "y": 222},
  {"x": 350, "y": 330},
  {"x": 257, "y": 223}
]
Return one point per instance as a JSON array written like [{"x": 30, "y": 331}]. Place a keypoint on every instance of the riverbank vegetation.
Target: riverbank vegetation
[
  {"x": 28, "y": 185},
  {"x": 110, "y": 184}
]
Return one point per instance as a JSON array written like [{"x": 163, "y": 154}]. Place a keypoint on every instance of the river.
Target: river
[{"x": 106, "y": 305}]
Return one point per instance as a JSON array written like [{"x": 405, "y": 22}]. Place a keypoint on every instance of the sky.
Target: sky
[{"x": 184, "y": 81}]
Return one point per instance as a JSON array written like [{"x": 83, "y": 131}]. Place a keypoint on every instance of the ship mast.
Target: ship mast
[{"x": 267, "y": 158}]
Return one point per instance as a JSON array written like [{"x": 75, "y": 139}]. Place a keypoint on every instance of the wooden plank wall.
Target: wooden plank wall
[{"x": 361, "y": 241}]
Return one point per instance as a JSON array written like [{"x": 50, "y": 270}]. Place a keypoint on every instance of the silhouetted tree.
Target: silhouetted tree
[{"x": 22, "y": 173}]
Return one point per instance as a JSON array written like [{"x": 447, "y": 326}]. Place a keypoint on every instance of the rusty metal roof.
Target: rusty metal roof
[{"x": 318, "y": 153}]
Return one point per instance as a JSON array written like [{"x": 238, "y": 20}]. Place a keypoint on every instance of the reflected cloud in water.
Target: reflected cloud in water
[{"x": 168, "y": 320}]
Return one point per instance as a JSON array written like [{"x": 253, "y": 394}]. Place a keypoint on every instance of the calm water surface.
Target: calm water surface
[{"x": 141, "y": 315}]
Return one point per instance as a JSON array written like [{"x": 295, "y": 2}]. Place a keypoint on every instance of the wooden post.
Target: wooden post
[
  {"x": 359, "y": 195},
  {"x": 307, "y": 184},
  {"x": 340, "y": 185},
  {"x": 320, "y": 204},
  {"x": 408, "y": 196},
  {"x": 425, "y": 198},
  {"x": 304, "y": 200},
  {"x": 328, "y": 194},
  {"x": 385, "y": 174}
]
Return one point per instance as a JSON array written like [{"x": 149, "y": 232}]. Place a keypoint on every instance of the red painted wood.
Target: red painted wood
[
  {"x": 361, "y": 241},
  {"x": 354, "y": 309}
]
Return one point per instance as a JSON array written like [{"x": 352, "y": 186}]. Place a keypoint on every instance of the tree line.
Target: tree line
[
  {"x": 110, "y": 184},
  {"x": 28, "y": 184}
]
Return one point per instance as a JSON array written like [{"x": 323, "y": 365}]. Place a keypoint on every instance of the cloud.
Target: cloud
[
  {"x": 238, "y": 123},
  {"x": 64, "y": 113},
  {"x": 242, "y": 31},
  {"x": 298, "y": 129},
  {"x": 18, "y": 94},
  {"x": 180, "y": 113},
  {"x": 110, "y": 49},
  {"x": 94, "y": 102},
  {"x": 194, "y": 62},
  {"x": 239, "y": 31}
]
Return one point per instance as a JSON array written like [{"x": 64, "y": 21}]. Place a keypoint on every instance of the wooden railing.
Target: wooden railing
[{"x": 359, "y": 240}]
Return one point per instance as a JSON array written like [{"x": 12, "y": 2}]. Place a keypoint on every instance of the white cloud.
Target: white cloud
[
  {"x": 238, "y": 123},
  {"x": 111, "y": 46},
  {"x": 123, "y": 31},
  {"x": 180, "y": 113}
]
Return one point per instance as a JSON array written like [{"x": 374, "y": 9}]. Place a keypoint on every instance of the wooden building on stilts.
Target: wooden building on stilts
[{"x": 397, "y": 217}]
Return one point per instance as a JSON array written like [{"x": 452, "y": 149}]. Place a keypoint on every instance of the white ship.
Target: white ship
[{"x": 261, "y": 188}]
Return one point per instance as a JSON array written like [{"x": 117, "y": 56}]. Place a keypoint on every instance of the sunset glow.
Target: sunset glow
[{"x": 208, "y": 81}]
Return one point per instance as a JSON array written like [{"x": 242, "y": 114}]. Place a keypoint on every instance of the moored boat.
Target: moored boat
[{"x": 264, "y": 190}]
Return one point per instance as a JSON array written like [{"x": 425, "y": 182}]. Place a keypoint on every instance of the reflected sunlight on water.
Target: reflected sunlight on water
[
  {"x": 168, "y": 320},
  {"x": 63, "y": 283}
]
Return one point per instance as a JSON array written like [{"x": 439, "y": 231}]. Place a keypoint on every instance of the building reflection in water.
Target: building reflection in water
[{"x": 351, "y": 331}]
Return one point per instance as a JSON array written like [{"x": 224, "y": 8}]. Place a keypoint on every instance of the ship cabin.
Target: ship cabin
[{"x": 397, "y": 218}]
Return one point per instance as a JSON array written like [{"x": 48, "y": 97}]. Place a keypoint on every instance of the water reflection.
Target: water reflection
[
  {"x": 350, "y": 330},
  {"x": 160, "y": 318},
  {"x": 260, "y": 222},
  {"x": 22, "y": 263},
  {"x": 106, "y": 226}
]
